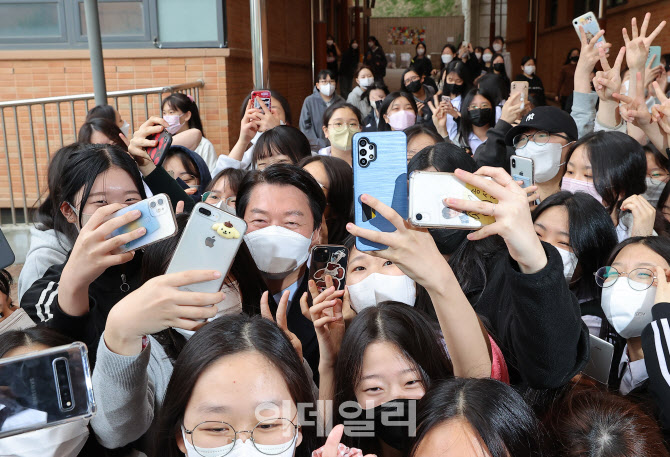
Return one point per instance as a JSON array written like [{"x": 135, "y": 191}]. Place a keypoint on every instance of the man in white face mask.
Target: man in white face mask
[
  {"x": 283, "y": 206},
  {"x": 311, "y": 115}
]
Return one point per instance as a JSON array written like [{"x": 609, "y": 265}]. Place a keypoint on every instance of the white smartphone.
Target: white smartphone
[
  {"x": 210, "y": 241},
  {"x": 600, "y": 361},
  {"x": 589, "y": 22},
  {"x": 427, "y": 191},
  {"x": 157, "y": 218},
  {"x": 522, "y": 169}
]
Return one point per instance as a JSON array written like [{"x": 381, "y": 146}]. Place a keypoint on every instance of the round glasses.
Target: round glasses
[
  {"x": 216, "y": 439},
  {"x": 540, "y": 138},
  {"x": 638, "y": 279}
]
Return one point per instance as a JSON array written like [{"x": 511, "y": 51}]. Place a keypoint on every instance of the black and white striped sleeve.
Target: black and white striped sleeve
[{"x": 656, "y": 348}]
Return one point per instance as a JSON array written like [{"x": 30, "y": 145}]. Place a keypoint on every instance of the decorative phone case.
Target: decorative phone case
[
  {"x": 157, "y": 218},
  {"x": 329, "y": 260},
  {"x": 264, "y": 95},
  {"x": 380, "y": 170},
  {"x": 209, "y": 242},
  {"x": 591, "y": 28},
  {"x": 158, "y": 153},
  {"x": 45, "y": 388}
]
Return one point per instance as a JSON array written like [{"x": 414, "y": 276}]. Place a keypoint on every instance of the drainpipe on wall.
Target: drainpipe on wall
[
  {"x": 466, "y": 8},
  {"x": 259, "y": 44},
  {"x": 95, "y": 50}
]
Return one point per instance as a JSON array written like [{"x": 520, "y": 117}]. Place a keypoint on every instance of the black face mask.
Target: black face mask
[
  {"x": 480, "y": 117},
  {"x": 393, "y": 422},
  {"x": 574, "y": 59},
  {"x": 414, "y": 86},
  {"x": 499, "y": 67},
  {"x": 448, "y": 240},
  {"x": 456, "y": 89}
]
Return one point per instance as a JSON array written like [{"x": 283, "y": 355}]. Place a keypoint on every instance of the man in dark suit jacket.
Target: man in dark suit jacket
[{"x": 283, "y": 207}]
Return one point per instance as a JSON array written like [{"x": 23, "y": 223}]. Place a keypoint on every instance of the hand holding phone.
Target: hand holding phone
[
  {"x": 263, "y": 95},
  {"x": 157, "y": 153},
  {"x": 329, "y": 260},
  {"x": 521, "y": 88},
  {"x": 522, "y": 169},
  {"x": 590, "y": 25},
  {"x": 157, "y": 218}
]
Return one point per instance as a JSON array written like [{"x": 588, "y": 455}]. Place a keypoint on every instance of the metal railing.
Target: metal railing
[{"x": 27, "y": 155}]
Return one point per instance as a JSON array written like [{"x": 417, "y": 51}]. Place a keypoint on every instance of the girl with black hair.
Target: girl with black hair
[
  {"x": 447, "y": 56},
  {"x": 566, "y": 79},
  {"x": 657, "y": 173},
  {"x": 475, "y": 417},
  {"x": 498, "y": 69},
  {"x": 419, "y": 136},
  {"x": 455, "y": 81},
  {"x": 398, "y": 111},
  {"x": 181, "y": 113},
  {"x": 376, "y": 59},
  {"x": 188, "y": 167},
  {"x": 336, "y": 179},
  {"x": 535, "y": 87},
  {"x": 332, "y": 55},
  {"x": 157, "y": 310},
  {"x": 222, "y": 190},
  {"x": 102, "y": 131},
  {"x": 581, "y": 230},
  {"x": 364, "y": 80},
  {"x": 8, "y": 308},
  {"x": 108, "y": 112},
  {"x": 487, "y": 57},
  {"x": 374, "y": 96},
  {"x": 234, "y": 373},
  {"x": 477, "y": 116},
  {"x": 413, "y": 83},
  {"x": 282, "y": 144},
  {"x": 351, "y": 59},
  {"x": 341, "y": 122},
  {"x": 611, "y": 167},
  {"x": 422, "y": 64}
]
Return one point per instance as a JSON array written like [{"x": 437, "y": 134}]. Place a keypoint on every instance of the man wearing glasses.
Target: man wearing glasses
[
  {"x": 544, "y": 135},
  {"x": 311, "y": 116}
]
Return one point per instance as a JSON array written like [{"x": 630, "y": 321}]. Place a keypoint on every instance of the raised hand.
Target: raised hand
[
  {"x": 439, "y": 111},
  {"x": 662, "y": 286},
  {"x": 637, "y": 47},
  {"x": 588, "y": 57},
  {"x": 644, "y": 215},
  {"x": 608, "y": 81},
  {"x": 633, "y": 108},
  {"x": 139, "y": 143},
  {"x": 326, "y": 314},
  {"x": 511, "y": 110},
  {"x": 281, "y": 320}
]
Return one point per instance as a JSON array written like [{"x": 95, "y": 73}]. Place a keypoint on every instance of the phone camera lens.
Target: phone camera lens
[
  {"x": 371, "y": 147},
  {"x": 372, "y": 157},
  {"x": 514, "y": 162},
  {"x": 419, "y": 216},
  {"x": 363, "y": 143},
  {"x": 153, "y": 204},
  {"x": 364, "y": 162},
  {"x": 363, "y": 152},
  {"x": 160, "y": 201},
  {"x": 205, "y": 211}
]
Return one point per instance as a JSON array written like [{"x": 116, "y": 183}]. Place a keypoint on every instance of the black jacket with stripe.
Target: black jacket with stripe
[
  {"x": 42, "y": 304},
  {"x": 656, "y": 348}
]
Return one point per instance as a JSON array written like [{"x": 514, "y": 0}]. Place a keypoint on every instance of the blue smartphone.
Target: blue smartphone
[
  {"x": 157, "y": 218},
  {"x": 654, "y": 56},
  {"x": 380, "y": 170}
]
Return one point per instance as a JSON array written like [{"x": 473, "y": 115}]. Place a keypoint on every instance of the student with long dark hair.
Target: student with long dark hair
[
  {"x": 351, "y": 59},
  {"x": 420, "y": 136},
  {"x": 102, "y": 131},
  {"x": 498, "y": 69},
  {"x": 375, "y": 96},
  {"x": 528, "y": 74},
  {"x": 182, "y": 114},
  {"x": 222, "y": 190},
  {"x": 341, "y": 122},
  {"x": 455, "y": 82},
  {"x": 241, "y": 366},
  {"x": 413, "y": 83},
  {"x": 376, "y": 59},
  {"x": 108, "y": 112},
  {"x": 475, "y": 417},
  {"x": 364, "y": 80},
  {"x": 336, "y": 178},
  {"x": 281, "y": 144},
  {"x": 398, "y": 111},
  {"x": 189, "y": 167},
  {"x": 477, "y": 116},
  {"x": 566, "y": 78},
  {"x": 422, "y": 64}
]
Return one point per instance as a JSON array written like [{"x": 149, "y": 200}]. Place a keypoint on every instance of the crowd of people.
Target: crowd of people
[{"x": 447, "y": 342}]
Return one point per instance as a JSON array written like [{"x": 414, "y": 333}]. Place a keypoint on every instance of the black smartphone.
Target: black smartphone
[
  {"x": 329, "y": 260},
  {"x": 6, "y": 254},
  {"x": 157, "y": 153}
]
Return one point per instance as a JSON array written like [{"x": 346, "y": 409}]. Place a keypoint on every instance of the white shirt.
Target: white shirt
[
  {"x": 206, "y": 150},
  {"x": 452, "y": 127},
  {"x": 634, "y": 373}
]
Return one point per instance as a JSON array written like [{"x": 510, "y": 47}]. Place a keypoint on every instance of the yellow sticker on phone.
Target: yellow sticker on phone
[{"x": 478, "y": 194}]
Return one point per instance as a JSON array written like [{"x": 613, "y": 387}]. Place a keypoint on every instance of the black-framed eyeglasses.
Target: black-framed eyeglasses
[
  {"x": 217, "y": 439},
  {"x": 638, "y": 279},
  {"x": 541, "y": 137}
]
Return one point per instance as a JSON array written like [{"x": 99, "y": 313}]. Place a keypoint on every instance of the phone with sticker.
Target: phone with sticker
[
  {"x": 380, "y": 170},
  {"x": 157, "y": 153},
  {"x": 157, "y": 218},
  {"x": 590, "y": 25},
  {"x": 522, "y": 169},
  {"x": 427, "y": 191},
  {"x": 329, "y": 260},
  {"x": 209, "y": 241},
  {"x": 264, "y": 95}
]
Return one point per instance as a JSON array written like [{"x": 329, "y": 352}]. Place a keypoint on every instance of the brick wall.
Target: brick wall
[
  {"x": 227, "y": 74},
  {"x": 554, "y": 42}
]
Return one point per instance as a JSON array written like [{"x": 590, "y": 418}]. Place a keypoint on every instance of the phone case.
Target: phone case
[
  {"x": 427, "y": 191},
  {"x": 45, "y": 388},
  {"x": 654, "y": 56},
  {"x": 600, "y": 360},
  {"x": 590, "y": 24},
  {"x": 264, "y": 95},
  {"x": 329, "y": 260},
  {"x": 210, "y": 241},
  {"x": 522, "y": 169},
  {"x": 157, "y": 153},
  {"x": 6, "y": 254},
  {"x": 380, "y": 170},
  {"x": 522, "y": 87},
  {"x": 157, "y": 217}
]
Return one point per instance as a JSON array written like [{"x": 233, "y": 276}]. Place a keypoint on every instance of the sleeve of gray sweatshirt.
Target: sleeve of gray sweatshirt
[
  {"x": 128, "y": 391},
  {"x": 584, "y": 111}
]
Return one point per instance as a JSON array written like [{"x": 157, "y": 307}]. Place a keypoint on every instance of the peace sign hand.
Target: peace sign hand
[{"x": 281, "y": 318}]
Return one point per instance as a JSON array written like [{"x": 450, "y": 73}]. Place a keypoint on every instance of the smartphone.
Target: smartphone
[
  {"x": 329, "y": 260},
  {"x": 157, "y": 153},
  {"x": 157, "y": 218},
  {"x": 520, "y": 87},
  {"x": 45, "y": 388},
  {"x": 600, "y": 360},
  {"x": 6, "y": 254},
  {"x": 590, "y": 25},
  {"x": 264, "y": 95},
  {"x": 522, "y": 169},
  {"x": 380, "y": 170},
  {"x": 654, "y": 56},
  {"x": 210, "y": 241},
  {"x": 446, "y": 99},
  {"x": 427, "y": 191}
]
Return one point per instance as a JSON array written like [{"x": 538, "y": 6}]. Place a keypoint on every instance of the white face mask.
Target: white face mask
[
  {"x": 529, "y": 69},
  {"x": 402, "y": 119},
  {"x": 497, "y": 47},
  {"x": 126, "y": 129},
  {"x": 569, "y": 263},
  {"x": 478, "y": 55},
  {"x": 377, "y": 288},
  {"x": 327, "y": 89},
  {"x": 446, "y": 58},
  {"x": 546, "y": 158},
  {"x": 278, "y": 251},
  {"x": 329, "y": 42},
  {"x": 239, "y": 449},
  {"x": 420, "y": 51},
  {"x": 65, "y": 440},
  {"x": 628, "y": 310},
  {"x": 18, "y": 320},
  {"x": 366, "y": 82},
  {"x": 487, "y": 57},
  {"x": 231, "y": 305}
]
